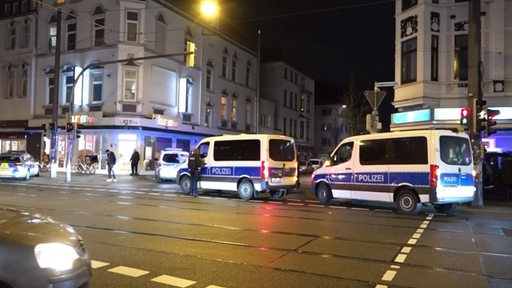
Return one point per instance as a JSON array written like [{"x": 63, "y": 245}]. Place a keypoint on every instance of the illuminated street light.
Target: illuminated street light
[{"x": 209, "y": 9}]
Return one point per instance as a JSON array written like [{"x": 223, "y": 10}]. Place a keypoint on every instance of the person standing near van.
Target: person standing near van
[
  {"x": 134, "y": 160},
  {"x": 111, "y": 161},
  {"x": 194, "y": 164}
]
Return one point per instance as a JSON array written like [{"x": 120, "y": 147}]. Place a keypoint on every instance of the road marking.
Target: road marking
[
  {"x": 98, "y": 264},
  {"x": 127, "y": 271},
  {"x": 173, "y": 281},
  {"x": 390, "y": 274}
]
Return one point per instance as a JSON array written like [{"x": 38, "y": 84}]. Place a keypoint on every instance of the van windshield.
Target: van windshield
[
  {"x": 455, "y": 150},
  {"x": 281, "y": 150}
]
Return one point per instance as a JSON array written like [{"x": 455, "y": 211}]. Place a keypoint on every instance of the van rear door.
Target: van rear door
[{"x": 455, "y": 171}]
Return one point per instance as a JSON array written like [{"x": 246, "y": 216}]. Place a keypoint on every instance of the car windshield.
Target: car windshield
[
  {"x": 171, "y": 158},
  {"x": 9, "y": 158}
]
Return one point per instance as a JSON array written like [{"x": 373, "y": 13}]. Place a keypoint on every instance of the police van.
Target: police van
[
  {"x": 409, "y": 168},
  {"x": 249, "y": 164}
]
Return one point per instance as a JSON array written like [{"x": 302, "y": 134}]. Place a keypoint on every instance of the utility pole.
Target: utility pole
[
  {"x": 475, "y": 68},
  {"x": 56, "y": 89}
]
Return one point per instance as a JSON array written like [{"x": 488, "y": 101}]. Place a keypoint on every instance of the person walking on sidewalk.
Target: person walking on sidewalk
[
  {"x": 111, "y": 161},
  {"x": 134, "y": 160}
]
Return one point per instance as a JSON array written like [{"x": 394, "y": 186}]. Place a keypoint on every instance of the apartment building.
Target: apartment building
[{"x": 122, "y": 77}]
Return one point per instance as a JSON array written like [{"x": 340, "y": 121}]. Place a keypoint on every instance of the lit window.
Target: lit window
[
  {"x": 234, "y": 102},
  {"x": 132, "y": 26},
  {"x": 223, "y": 107},
  {"x": 130, "y": 84}
]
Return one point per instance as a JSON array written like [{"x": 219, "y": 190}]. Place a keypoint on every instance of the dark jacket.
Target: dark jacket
[
  {"x": 135, "y": 157},
  {"x": 194, "y": 162},
  {"x": 111, "y": 158}
]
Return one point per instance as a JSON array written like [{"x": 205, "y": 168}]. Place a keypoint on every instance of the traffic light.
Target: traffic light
[
  {"x": 69, "y": 127},
  {"x": 53, "y": 127},
  {"x": 78, "y": 133},
  {"x": 191, "y": 54},
  {"x": 491, "y": 114},
  {"x": 465, "y": 114},
  {"x": 46, "y": 129},
  {"x": 480, "y": 104}
]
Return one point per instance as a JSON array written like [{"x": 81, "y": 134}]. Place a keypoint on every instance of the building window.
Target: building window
[
  {"x": 434, "y": 58},
  {"x": 285, "y": 99},
  {"x": 52, "y": 35},
  {"x": 10, "y": 82},
  {"x": 68, "y": 79},
  {"x": 132, "y": 26},
  {"x": 223, "y": 107},
  {"x": 224, "y": 72},
  {"x": 301, "y": 130},
  {"x": 25, "y": 36},
  {"x": 160, "y": 36},
  {"x": 24, "y": 6},
  {"x": 11, "y": 45},
  {"x": 248, "y": 107},
  {"x": 409, "y": 61},
  {"x": 50, "y": 89},
  {"x": 99, "y": 26},
  {"x": 24, "y": 81},
  {"x": 406, "y": 4},
  {"x": 185, "y": 95},
  {"x": 234, "y": 103},
  {"x": 285, "y": 75},
  {"x": 460, "y": 60},
  {"x": 248, "y": 74},
  {"x": 71, "y": 32},
  {"x": 302, "y": 103},
  {"x": 97, "y": 85},
  {"x": 130, "y": 84},
  {"x": 209, "y": 76},
  {"x": 233, "y": 68},
  {"x": 284, "y": 126}
]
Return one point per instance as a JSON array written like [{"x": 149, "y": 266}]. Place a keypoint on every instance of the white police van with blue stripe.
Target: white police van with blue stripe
[
  {"x": 249, "y": 164},
  {"x": 409, "y": 168}
]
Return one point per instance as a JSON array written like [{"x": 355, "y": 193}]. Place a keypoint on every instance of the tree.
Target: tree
[{"x": 356, "y": 108}]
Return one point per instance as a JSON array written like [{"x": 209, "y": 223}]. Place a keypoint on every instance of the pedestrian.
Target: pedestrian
[
  {"x": 111, "y": 161},
  {"x": 194, "y": 164},
  {"x": 134, "y": 160}
]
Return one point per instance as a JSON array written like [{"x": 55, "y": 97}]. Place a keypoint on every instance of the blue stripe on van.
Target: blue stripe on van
[{"x": 394, "y": 178}]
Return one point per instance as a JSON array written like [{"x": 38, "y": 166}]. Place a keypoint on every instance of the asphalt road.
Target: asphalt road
[{"x": 143, "y": 234}]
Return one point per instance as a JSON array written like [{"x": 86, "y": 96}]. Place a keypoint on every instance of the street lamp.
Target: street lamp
[{"x": 209, "y": 10}]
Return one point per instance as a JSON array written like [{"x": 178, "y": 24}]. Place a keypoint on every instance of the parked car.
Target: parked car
[
  {"x": 18, "y": 164},
  {"x": 311, "y": 165},
  {"x": 38, "y": 252},
  {"x": 169, "y": 162}
]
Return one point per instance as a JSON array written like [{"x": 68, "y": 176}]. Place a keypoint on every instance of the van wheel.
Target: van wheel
[
  {"x": 246, "y": 190},
  {"x": 445, "y": 208},
  {"x": 408, "y": 202},
  {"x": 277, "y": 194},
  {"x": 324, "y": 194},
  {"x": 185, "y": 184}
]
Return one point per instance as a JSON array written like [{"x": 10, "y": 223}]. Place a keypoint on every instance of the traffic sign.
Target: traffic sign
[{"x": 375, "y": 97}]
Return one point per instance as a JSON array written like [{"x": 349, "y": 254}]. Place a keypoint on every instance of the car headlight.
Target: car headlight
[{"x": 57, "y": 256}]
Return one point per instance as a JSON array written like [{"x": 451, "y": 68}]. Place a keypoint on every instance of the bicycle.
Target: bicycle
[{"x": 87, "y": 168}]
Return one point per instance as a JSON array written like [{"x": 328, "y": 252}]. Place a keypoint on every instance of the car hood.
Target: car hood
[{"x": 33, "y": 229}]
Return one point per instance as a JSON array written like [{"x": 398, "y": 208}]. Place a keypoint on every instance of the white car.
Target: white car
[
  {"x": 311, "y": 165},
  {"x": 18, "y": 164},
  {"x": 170, "y": 161}
]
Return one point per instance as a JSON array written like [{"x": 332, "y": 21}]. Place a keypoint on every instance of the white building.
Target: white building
[
  {"x": 431, "y": 64},
  {"x": 293, "y": 93},
  {"x": 148, "y": 104},
  {"x": 330, "y": 128}
]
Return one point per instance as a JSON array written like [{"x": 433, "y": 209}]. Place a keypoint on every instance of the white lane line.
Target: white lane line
[
  {"x": 173, "y": 281},
  {"x": 98, "y": 264},
  {"x": 404, "y": 252},
  {"x": 128, "y": 271},
  {"x": 213, "y": 286}
]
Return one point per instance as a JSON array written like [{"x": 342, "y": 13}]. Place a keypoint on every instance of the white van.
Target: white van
[
  {"x": 408, "y": 168},
  {"x": 249, "y": 164}
]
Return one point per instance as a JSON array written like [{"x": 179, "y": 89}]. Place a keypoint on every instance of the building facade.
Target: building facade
[
  {"x": 122, "y": 77},
  {"x": 431, "y": 65},
  {"x": 330, "y": 128},
  {"x": 293, "y": 93}
]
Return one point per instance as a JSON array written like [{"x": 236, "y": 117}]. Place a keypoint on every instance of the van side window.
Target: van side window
[
  {"x": 203, "y": 149},
  {"x": 394, "y": 151},
  {"x": 455, "y": 150},
  {"x": 343, "y": 154},
  {"x": 281, "y": 150},
  {"x": 237, "y": 150}
]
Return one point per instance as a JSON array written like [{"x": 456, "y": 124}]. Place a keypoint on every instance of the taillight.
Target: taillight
[
  {"x": 18, "y": 164},
  {"x": 434, "y": 175},
  {"x": 264, "y": 170}
]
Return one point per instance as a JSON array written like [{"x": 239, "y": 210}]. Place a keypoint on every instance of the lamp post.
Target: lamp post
[{"x": 55, "y": 108}]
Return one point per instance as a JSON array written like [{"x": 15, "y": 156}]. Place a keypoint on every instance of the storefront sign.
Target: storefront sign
[
  {"x": 166, "y": 122},
  {"x": 81, "y": 119},
  {"x": 128, "y": 121}
]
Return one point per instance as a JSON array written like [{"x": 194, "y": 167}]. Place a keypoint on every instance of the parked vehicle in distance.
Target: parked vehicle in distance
[
  {"x": 248, "y": 164},
  {"x": 18, "y": 164},
  {"x": 169, "y": 162},
  {"x": 311, "y": 165},
  {"x": 38, "y": 252},
  {"x": 409, "y": 168}
]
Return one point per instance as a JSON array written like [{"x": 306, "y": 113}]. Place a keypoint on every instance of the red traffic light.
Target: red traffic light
[
  {"x": 464, "y": 116},
  {"x": 69, "y": 127}
]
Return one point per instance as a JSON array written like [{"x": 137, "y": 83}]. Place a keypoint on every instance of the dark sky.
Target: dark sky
[{"x": 329, "y": 40}]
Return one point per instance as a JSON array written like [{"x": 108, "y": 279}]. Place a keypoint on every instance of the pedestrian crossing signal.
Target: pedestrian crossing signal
[{"x": 465, "y": 113}]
